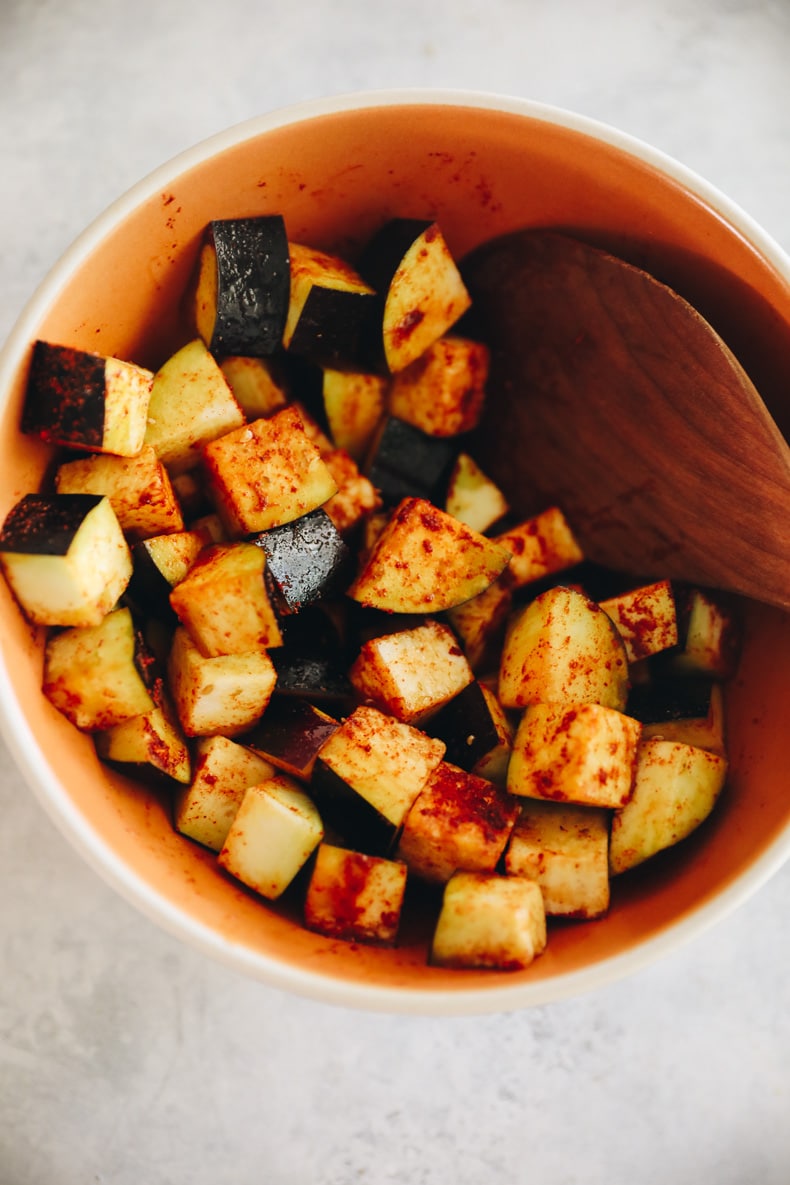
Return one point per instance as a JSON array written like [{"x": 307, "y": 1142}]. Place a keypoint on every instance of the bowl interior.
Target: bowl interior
[{"x": 480, "y": 171}]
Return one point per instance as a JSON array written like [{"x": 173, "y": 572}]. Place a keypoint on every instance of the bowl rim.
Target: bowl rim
[{"x": 52, "y": 795}]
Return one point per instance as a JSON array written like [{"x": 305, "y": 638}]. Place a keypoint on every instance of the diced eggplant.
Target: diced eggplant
[
  {"x": 305, "y": 560},
  {"x": 563, "y": 648},
  {"x": 223, "y": 601},
  {"x": 709, "y": 635},
  {"x": 266, "y": 473},
  {"x": 153, "y": 739},
  {"x": 290, "y": 735},
  {"x": 411, "y": 673},
  {"x": 257, "y": 386},
  {"x": 312, "y": 663},
  {"x": 242, "y": 286},
  {"x": 489, "y": 922},
  {"x": 565, "y": 849},
  {"x": 675, "y": 790},
  {"x": 356, "y": 496},
  {"x": 332, "y": 311},
  {"x": 191, "y": 404},
  {"x": 457, "y": 822},
  {"x": 86, "y": 401},
  {"x": 480, "y": 624},
  {"x": 98, "y": 676},
  {"x": 369, "y": 773},
  {"x": 275, "y": 831},
  {"x": 472, "y": 497},
  {"x": 355, "y": 897},
  {"x": 139, "y": 489},
  {"x": 582, "y": 753},
  {"x": 354, "y": 404},
  {"x": 646, "y": 619},
  {"x": 160, "y": 563},
  {"x": 404, "y": 462},
  {"x": 424, "y": 561},
  {"x": 476, "y": 732},
  {"x": 443, "y": 391},
  {"x": 223, "y": 772},
  {"x": 65, "y": 558},
  {"x": 410, "y": 265},
  {"x": 681, "y": 708},
  {"x": 218, "y": 696},
  {"x": 541, "y": 546}
]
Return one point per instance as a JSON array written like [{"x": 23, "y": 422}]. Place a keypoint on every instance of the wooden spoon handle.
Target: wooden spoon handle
[{"x": 611, "y": 396}]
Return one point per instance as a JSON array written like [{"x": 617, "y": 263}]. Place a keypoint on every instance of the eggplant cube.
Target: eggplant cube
[
  {"x": 684, "y": 708},
  {"x": 275, "y": 831},
  {"x": 223, "y": 601},
  {"x": 563, "y": 648},
  {"x": 403, "y": 461},
  {"x": 565, "y": 849},
  {"x": 368, "y": 774},
  {"x": 489, "y": 922},
  {"x": 476, "y": 731},
  {"x": 224, "y": 770},
  {"x": 645, "y": 618},
  {"x": 443, "y": 391},
  {"x": 191, "y": 404},
  {"x": 409, "y": 262},
  {"x": 356, "y": 497},
  {"x": 139, "y": 489},
  {"x": 152, "y": 739},
  {"x": 583, "y": 753},
  {"x": 675, "y": 790},
  {"x": 304, "y": 559},
  {"x": 258, "y": 391},
  {"x": 160, "y": 563},
  {"x": 710, "y": 635},
  {"x": 424, "y": 561},
  {"x": 85, "y": 401},
  {"x": 266, "y": 474},
  {"x": 457, "y": 822},
  {"x": 331, "y": 312},
  {"x": 223, "y": 695},
  {"x": 541, "y": 546},
  {"x": 290, "y": 735},
  {"x": 480, "y": 623},
  {"x": 354, "y": 404},
  {"x": 412, "y": 673},
  {"x": 472, "y": 497},
  {"x": 242, "y": 285},
  {"x": 355, "y": 897},
  {"x": 65, "y": 558},
  {"x": 92, "y": 673}
]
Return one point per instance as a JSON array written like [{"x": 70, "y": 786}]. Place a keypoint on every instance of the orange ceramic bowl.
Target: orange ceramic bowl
[{"x": 481, "y": 165}]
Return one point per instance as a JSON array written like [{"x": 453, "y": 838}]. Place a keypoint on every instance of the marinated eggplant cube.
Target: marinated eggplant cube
[
  {"x": 290, "y": 735},
  {"x": 443, "y": 391},
  {"x": 153, "y": 739},
  {"x": 709, "y": 636},
  {"x": 476, "y": 732},
  {"x": 354, "y": 405},
  {"x": 139, "y": 489},
  {"x": 243, "y": 284},
  {"x": 305, "y": 560},
  {"x": 275, "y": 831},
  {"x": 541, "y": 546},
  {"x": 218, "y": 696},
  {"x": 409, "y": 263},
  {"x": 411, "y": 673},
  {"x": 369, "y": 773},
  {"x": 472, "y": 497},
  {"x": 92, "y": 674},
  {"x": 355, "y": 897},
  {"x": 85, "y": 401},
  {"x": 457, "y": 822},
  {"x": 266, "y": 474},
  {"x": 65, "y": 558},
  {"x": 223, "y": 601},
  {"x": 646, "y": 619},
  {"x": 403, "y": 461},
  {"x": 223, "y": 772},
  {"x": 684, "y": 708},
  {"x": 159, "y": 564},
  {"x": 424, "y": 561},
  {"x": 565, "y": 849},
  {"x": 563, "y": 648},
  {"x": 481, "y": 622},
  {"x": 313, "y": 662},
  {"x": 356, "y": 497},
  {"x": 583, "y": 753},
  {"x": 258, "y": 389},
  {"x": 675, "y": 790},
  {"x": 191, "y": 404},
  {"x": 332, "y": 311},
  {"x": 489, "y": 922}
]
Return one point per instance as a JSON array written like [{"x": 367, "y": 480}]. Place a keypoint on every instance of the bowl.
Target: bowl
[{"x": 481, "y": 165}]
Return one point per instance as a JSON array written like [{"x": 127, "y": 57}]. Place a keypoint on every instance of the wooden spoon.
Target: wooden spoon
[{"x": 612, "y": 397}]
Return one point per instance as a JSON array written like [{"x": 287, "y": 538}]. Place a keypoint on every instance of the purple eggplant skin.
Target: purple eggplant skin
[
  {"x": 344, "y": 811},
  {"x": 253, "y": 285},
  {"x": 664, "y": 699},
  {"x": 305, "y": 560},
  {"x": 148, "y": 590},
  {"x": 336, "y": 328},
  {"x": 64, "y": 398},
  {"x": 291, "y": 731},
  {"x": 383, "y": 253},
  {"x": 45, "y": 524},
  {"x": 406, "y": 462},
  {"x": 466, "y": 727}
]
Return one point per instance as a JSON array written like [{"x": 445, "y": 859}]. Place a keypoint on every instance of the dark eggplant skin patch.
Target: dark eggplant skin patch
[
  {"x": 253, "y": 284},
  {"x": 65, "y": 396},
  {"x": 46, "y": 525}
]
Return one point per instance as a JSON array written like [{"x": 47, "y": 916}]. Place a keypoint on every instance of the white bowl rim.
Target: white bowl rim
[{"x": 503, "y": 995}]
